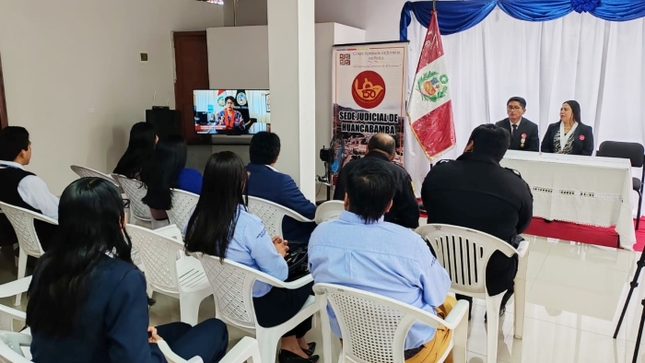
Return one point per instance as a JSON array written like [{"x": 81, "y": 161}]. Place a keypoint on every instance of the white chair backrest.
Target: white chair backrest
[
  {"x": 136, "y": 191},
  {"x": 22, "y": 221},
  {"x": 373, "y": 327},
  {"x": 182, "y": 205},
  {"x": 233, "y": 288},
  {"x": 329, "y": 210},
  {"x": 464, "y": 253},
  {"x": 85, "y": 172},
  {"x": 159, "y": 256},
  {"x": 272, "y": 214}
]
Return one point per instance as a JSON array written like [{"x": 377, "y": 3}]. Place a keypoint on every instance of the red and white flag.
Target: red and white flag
[{"x": 430, "y": 107}]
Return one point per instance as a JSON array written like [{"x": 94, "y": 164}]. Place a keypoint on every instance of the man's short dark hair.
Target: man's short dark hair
[
  {"x": 370, "y": 189},
  {"x": 13, "y": 139},
  {"x": 521, "y": 101},
  {"x": 383, "y": 142},
  {"x": 265, "y": 148},
  {"x": 490, "y": 140}
]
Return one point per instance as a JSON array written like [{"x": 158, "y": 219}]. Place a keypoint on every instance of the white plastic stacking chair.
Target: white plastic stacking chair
[
  {"x": 464, "y": 253},
  {"x": 272, "y": 214},
  {"x": 136, "y": 191},
  {"x": 374, "y": 327},
  {"x": 10, "y": 341},
  {"x": 182, "y": 205},
  {"x": 22, "y": 221},
  {"x": 328, "y": 211},
  {"x": 170, "y": 272},
  {"x": 233, "y": 290},
  {"x": 85, "y": 172}
]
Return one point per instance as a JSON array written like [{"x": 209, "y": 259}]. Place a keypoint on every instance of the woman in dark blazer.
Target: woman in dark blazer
[
  {"x": 87, "y": 300},
  {"x": 569, "y": 135}
]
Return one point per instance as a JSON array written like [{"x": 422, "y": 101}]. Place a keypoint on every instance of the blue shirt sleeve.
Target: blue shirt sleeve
[
  {"x": 127, "y": 322},
  {"x": 263, "y": 251},
  {"x": 293, "y": 198},
  {"x": 433, "y": 278}
]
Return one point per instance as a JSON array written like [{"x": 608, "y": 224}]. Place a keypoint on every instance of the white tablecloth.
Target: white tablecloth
[{"x": 580, "y": 189}]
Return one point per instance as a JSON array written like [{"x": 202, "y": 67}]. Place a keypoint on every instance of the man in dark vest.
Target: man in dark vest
[
  {"x": 382, "y": 149},
  {"x": 21, "y": 188}
]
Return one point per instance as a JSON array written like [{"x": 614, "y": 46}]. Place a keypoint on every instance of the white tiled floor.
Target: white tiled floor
[{"x": 574, "y": 296}]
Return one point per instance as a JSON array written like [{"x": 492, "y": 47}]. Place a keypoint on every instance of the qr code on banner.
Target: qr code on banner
[{"x": 345, "y": 59}]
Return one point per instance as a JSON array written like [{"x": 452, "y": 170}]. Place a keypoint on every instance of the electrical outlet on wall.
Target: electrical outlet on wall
[{"x": 143, "y": 57}]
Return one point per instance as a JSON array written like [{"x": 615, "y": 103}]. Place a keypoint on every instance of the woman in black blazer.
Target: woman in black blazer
[{"x": 569, "y": 135}]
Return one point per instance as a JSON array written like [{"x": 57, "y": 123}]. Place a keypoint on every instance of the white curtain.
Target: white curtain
[{"x": 600, "y": 64}]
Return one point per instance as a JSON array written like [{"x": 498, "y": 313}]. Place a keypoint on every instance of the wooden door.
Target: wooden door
[
  {"x": 191, "y": 69},
  {"x": 3, "y": 101}
]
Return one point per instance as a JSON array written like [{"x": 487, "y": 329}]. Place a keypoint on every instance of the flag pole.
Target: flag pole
[{"x": 434, "y": 5}]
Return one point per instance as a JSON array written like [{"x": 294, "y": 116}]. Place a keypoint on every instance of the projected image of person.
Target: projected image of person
[{"x": 229, "y": 117}]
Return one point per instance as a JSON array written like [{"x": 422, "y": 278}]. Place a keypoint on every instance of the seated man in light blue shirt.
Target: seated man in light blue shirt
[{"x": 362, "y": 251}]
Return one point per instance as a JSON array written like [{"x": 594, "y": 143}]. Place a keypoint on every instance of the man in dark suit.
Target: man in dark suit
[
  {"x": 524, "y": 133},
  {"x": 267, "y": 183},
  {"x": 381, "y": 149},
  {"x": 474, "y": 191}
]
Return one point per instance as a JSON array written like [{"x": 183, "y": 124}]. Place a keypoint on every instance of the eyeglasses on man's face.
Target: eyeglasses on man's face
[{"x": 513, "y": 108}]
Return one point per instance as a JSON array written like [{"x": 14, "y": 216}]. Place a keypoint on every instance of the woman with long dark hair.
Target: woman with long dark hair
[
  {"x": 87, "y": 300},
  {"x": 569, "y": 135},
  {"x": 165, "y": 171},
  {"x": 221, "y": 226},
  {"x": 143, "y": 138}
]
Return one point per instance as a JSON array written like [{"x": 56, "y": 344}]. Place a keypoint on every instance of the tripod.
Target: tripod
[{"x": 633, "y": 285}]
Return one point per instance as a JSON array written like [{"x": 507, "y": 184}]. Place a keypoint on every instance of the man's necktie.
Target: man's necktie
[{"x": 514, "y": 129}]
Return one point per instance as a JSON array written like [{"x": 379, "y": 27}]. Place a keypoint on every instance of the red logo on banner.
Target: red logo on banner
[
  {"x": 368, "y": 89},
  {"x": 581, "y": 137}
]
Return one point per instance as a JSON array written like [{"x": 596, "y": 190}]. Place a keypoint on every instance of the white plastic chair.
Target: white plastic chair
[
  {"x": 233, "y": 290},
  {"x": 136, "y": 191},
  {"x": 272, "y": 214},
  {"x": 22, "y": 221},
  {"x": 85, "y": 172},
  {"x": 11, "y": 341},
  {"x": 169, "y": 271},
  {"x": 329, "y": 210},
  {"x": 464, "y": 253},
  {"x": 182, "y": 205},
  {"x": 374, "y": 327}
]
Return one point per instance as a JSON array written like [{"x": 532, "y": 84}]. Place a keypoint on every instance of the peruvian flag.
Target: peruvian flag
[{"x": 430, "y": 108}]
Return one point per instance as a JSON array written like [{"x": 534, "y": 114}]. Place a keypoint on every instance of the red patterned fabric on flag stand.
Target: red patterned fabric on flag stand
[{"x": 430, "y": 107}]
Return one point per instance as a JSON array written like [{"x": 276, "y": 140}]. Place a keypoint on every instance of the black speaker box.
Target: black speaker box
[{"x": 166, "y": 121}]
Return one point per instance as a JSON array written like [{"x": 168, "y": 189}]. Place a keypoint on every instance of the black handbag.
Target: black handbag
[{"x": 298, "y": 262}]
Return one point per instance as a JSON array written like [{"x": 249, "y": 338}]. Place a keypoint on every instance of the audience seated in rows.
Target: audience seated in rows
[
  {"x": 267, "y": 183},
  {"x": 141, "y": 147},
  {"x": 87, "y": 300},
  {"x": 166, "y": 170},
  {"x": 21, "y": 188},
  {"x": 474, "y": 191},
  {"x": 221, "y": 226},
  {"x": 382, "y": 149},
  {"x": 362, "y": 251}
]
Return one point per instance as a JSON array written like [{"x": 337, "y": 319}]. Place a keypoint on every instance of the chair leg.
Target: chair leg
[
  {"x": 520, "y": 305},
  {"x": 189, "y": 308},
  {"x": 638, "y": 215},
  {"x": 492, "y": 308},
  {"x": 22, "y": 270},
  {"x": 268, "y": 346}
]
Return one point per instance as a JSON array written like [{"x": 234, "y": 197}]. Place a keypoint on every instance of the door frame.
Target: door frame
[{"x": 3, "y": 101}]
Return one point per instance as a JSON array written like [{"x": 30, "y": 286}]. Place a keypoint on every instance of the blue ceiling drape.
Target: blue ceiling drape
[{"x": 457, "y": 16}]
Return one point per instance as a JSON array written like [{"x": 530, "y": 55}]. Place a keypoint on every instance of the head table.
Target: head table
[{"x": 580, "y": 189}]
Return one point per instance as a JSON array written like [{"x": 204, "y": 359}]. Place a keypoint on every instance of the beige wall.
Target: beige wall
[{"x": 73, "y": 76}]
